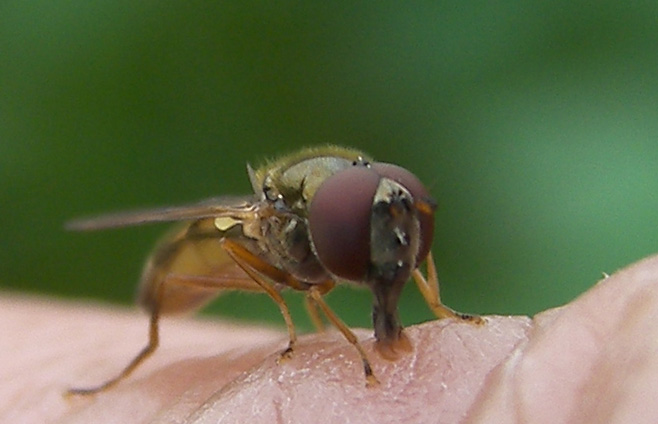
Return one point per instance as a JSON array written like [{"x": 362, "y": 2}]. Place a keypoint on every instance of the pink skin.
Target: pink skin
[{"x": 593, "y": 360}]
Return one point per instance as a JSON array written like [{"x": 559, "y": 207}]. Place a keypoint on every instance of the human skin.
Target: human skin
[{"x": 593, "y": 360}]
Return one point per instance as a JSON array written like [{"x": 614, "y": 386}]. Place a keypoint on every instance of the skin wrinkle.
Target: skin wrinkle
[
  {"x": 534, "y": 360},
  {"x": 583, "y": 333},
  {"x": 625, "y": 363},
  {"x": 281, "y": 407},
  {"x": 469, "y": 348},
  {"x": 243, "y": 355},
  {"x": 278, "y": 411},
  {"x": 233, "y": 384},
  {"x": 502, "y": 385},
  {"x": 500, "y": 377},
  {"x": 447, "y": 368},
  {"x": 516, "y": 388},
  {"x": 632, "y": 311}
]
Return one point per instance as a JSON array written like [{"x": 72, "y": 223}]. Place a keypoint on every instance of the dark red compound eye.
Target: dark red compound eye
[
  {"x": 339, "y": 221},
  {"x": 339, "y": 217}
]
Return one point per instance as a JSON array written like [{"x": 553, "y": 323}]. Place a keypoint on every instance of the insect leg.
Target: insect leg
[
  {"x": 152, "y": 345},
  {"x": 313, "y": 313},
  {"x": 192, "y": 281},
  {"x": 256, "y": 268},
  {"x": 312, "y": 307},
  {"x": 429, "y": 288},
  {"x": 316, "y": 295}
]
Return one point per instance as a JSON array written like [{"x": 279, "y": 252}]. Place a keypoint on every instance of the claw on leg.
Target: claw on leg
[
  {"x": 285, "y": 355},
  {"x": 429, "y": 288},
  {"x": 154, "y": 337}
]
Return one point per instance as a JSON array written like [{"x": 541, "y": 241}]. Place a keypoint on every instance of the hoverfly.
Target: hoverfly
[{"x": 320, "y": 216}]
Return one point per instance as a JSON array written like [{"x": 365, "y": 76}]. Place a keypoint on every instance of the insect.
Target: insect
[{"x": 317, "y": 217}]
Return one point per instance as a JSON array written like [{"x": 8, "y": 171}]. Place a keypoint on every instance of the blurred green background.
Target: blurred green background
[{"x": 534, "y": 124}]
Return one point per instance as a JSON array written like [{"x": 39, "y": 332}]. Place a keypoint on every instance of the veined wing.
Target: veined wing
[{"x": 238, "y": 207}]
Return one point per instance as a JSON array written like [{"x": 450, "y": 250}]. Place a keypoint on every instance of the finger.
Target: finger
[
  {"x": 219, "y": 373},
  {"x": 594, "y": 360},
  {"x": 437, "y": 382}
]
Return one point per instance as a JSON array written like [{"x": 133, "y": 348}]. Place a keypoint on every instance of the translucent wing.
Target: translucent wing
[
  {"x": 237, "y": 207},
  {"x": 188, "y": 267}
]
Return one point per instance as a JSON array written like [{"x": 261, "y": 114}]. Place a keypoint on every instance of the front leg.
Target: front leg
[{"x": 429, "y": 288}]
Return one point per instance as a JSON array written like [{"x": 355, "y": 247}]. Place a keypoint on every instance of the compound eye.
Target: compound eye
[
  {"x": 425, "y": 206},
  {"x": 339, "y": 221}
]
